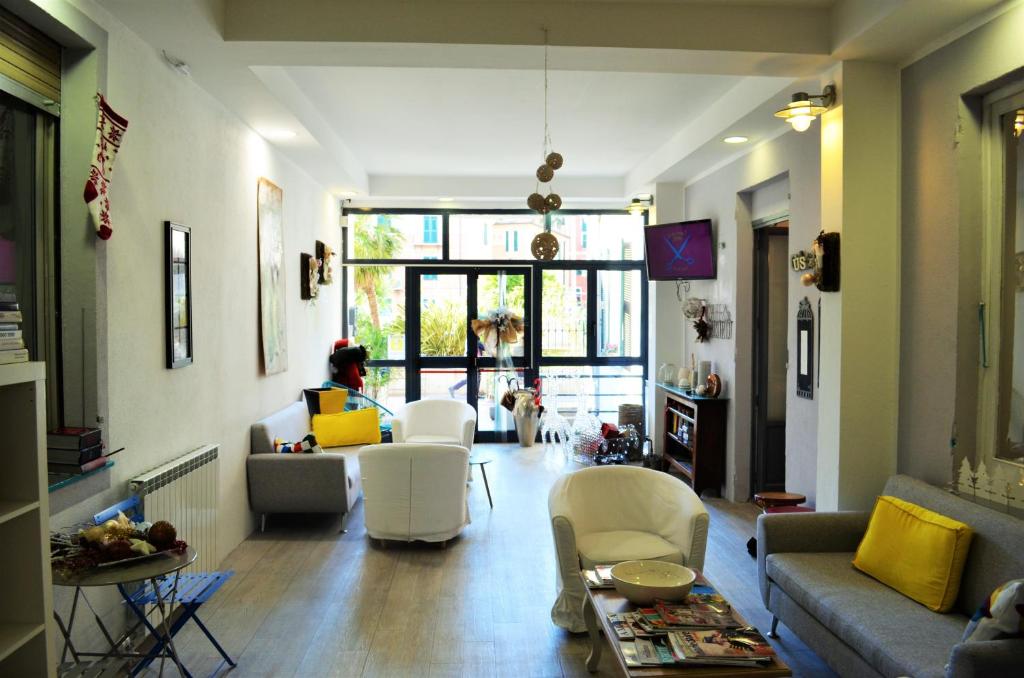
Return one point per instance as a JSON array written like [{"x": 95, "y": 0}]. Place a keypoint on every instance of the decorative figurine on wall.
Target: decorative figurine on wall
[
  {"x": 324, "y": 254},
  {"x": 826, "y": 263},
  {"x": 805, "y": 350},
  {"x": 309, "y": 268}
]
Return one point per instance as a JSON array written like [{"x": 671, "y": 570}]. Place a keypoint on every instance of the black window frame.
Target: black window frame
[{"x": 537, "y": 360}]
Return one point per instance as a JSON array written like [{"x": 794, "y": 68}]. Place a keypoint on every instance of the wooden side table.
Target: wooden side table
[{"x": 767, "y": 500}]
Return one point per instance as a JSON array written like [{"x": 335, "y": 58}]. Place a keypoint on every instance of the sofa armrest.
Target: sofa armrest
[
  {"x": 468, "y": 432},
  {"x": 397, "y": 429},
  {"x": 980, "y": 659},
  {"x": 297, "y": 483},
  {"x": 806, "y": 533}
]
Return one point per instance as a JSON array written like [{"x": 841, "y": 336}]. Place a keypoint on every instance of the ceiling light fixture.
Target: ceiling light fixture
[
  {"x": 801, "y": 111},
  {"x": 276, "y": 133},
  {"x": 640, "y": 204},
  {"x": 736, "y": 139},
  {"x": 544, "y": 245}
]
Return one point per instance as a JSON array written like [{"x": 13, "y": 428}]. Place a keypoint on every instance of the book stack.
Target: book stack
[
  {"x": 74, "y": 451},
  {"x": 702, "y": 631},
  {"x": 12, "y": 344}
]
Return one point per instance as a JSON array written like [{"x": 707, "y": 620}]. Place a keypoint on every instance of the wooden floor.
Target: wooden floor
[{"x": 308, "y": 601}]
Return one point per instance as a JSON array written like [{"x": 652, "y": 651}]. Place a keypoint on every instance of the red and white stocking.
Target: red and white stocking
[{"x": 110, "y": 129}]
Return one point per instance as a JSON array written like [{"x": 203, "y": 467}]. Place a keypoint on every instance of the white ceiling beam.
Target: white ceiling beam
[
  {"x": 693, "y": 26},
  {"x": 710, "y": 124},
  {"x": 514, "y": 188}
]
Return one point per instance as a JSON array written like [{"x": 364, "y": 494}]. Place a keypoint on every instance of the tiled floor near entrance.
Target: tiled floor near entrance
[{"x": 307, "y": 601}]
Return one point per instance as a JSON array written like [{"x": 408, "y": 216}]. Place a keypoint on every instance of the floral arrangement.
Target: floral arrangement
[
  {"x": 116, "y": 540},
  {"x": 502, "y": 327}
]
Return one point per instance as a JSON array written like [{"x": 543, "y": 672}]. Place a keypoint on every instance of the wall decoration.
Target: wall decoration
[
  {"x": 805, "y": 350},
  {"x": 273, "y": 320},
  {"x": 826, "y": 263},
  {"x": 178, "y": 286},
  {"x": 110, "y": 131},
  {"x": 324, "y": 254},
  {"x": 1002, "y": 485},
  {"x": 702, "y": 326},
  {"x": 802, "y": 261},
  {"x": 309, "y": 269}
]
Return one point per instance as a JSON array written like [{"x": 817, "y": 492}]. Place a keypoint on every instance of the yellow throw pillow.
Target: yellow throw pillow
[
  {"x": 333, "y": 401},
  {"x": 918, "y": 552},
  {"x": 356, "y": 427}
]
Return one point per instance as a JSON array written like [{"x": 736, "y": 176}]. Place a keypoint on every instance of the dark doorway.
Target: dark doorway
[{"x": 771, "y": 297}]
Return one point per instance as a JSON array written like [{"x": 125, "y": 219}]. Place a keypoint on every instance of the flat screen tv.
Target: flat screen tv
[{"x": 683, "y": 250}]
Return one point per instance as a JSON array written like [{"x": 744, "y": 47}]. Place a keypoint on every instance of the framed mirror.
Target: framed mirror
[
  {"x": 805, "y": 350},
  {"x": 179, "y": 294}
]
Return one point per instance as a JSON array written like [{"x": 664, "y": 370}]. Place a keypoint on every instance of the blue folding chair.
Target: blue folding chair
[{"x": 189, "y": 591}]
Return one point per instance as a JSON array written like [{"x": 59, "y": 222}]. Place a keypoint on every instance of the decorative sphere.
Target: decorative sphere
[
  {"x": 554, "y": 160},
  {"x": 553, "y": 201},
  {"x": 808, "y": 279},
  {"x": 535, "y": 201},
  {"x": 545, "y": 173},
  {"x": 544, "y": 246}
]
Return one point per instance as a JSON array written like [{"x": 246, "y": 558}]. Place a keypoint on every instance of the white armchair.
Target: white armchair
[
  {"x": 436, "y": 421},
  {"x": 414, "y": 491},
  {"x": 608, "y": 514}
]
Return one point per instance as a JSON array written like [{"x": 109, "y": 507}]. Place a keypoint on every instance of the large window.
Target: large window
[
  {"x": 585, "y": 311},
  {"x": 28, "y": 263}
]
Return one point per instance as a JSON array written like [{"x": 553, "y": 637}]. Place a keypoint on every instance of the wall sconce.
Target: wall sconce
[
  {"x": 801, "y": 111},
  {"x": 640, "y": 204},
  {"x": 1018, "y": 124}
]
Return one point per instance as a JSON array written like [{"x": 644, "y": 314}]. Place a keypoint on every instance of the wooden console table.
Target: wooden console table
[{"x": 694, "y": 442}]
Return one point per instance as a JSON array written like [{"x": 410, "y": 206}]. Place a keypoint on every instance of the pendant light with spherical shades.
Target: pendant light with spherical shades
[{"x": 545, "y": 244}]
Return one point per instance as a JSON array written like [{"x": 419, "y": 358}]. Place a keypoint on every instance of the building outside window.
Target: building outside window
[{"x": 430, "y": 230}]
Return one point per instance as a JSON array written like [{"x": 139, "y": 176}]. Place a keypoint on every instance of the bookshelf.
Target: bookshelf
[
  {"x": 694, "y": 443},
  {"x": 26, "y": 641}
]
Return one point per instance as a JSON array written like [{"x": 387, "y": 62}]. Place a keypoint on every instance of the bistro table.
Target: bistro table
[{"x": 152, "y": 568}]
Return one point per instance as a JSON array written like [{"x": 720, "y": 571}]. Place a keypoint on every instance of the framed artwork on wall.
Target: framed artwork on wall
[
  {"x": 805, "y": 350},
  {"x": 273, "y": 321},
  {"x": 178, "y": 245}
]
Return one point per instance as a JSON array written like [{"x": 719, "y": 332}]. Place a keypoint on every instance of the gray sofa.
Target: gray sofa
[
  {"x": 861, "y": 627},
  {"x": 299, "y": 483}
]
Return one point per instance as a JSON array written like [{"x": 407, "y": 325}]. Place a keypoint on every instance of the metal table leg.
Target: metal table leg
[{"x": 483, "y": 472}]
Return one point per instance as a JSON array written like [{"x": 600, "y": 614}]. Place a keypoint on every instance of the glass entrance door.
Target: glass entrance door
[{"x": 452, "y": 360}]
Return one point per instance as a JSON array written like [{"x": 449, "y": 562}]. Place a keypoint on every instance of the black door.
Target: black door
[
  {"x": 447, "y": 358},
  {"x": 771, "y": 264}
]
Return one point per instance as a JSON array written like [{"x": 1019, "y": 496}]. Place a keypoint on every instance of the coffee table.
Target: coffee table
[{"x": 599, "y": 603}]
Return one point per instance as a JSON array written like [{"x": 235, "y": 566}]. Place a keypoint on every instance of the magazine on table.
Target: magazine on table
[
  {"x": 721, "y": 645},
  {"x": 599, "y": 578}
]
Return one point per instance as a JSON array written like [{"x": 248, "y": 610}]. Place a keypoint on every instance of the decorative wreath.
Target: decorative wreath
[{"x": 502, "y": 326}]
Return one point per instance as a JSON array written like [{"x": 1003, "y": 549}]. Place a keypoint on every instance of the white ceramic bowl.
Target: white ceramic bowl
[{"x": 643, "y": 581}]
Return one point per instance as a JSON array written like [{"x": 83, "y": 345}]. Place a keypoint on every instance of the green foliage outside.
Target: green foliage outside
[{"x": 443, "y": 329}]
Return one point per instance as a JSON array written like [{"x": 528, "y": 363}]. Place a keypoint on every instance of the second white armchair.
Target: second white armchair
[
  {"x": 607, "y": 514},
  {"x": 435, "y": 421}
]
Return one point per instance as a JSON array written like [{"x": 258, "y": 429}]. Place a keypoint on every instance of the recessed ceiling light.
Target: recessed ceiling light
[
  {"x": 446, "y": 199},
  {"x": 736, "y": 140},
  {"x": 275, "y": 133}
]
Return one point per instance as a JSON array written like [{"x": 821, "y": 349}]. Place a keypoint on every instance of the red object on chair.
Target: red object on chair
[{"x": 348, "y": 374}]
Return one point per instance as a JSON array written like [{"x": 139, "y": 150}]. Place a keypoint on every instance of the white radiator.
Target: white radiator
[{"x": 184, "y": 493}]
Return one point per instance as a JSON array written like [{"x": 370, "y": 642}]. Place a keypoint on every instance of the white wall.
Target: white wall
[
  {"x": 725, "y": 197},
  {"x": 186, "y": 159}
]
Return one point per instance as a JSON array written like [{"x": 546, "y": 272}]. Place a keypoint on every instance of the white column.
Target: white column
[{"x": 858, "y": 397}]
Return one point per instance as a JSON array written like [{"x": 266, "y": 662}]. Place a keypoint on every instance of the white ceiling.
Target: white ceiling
[
  {"x": 398, "y": 101},
  {"x": 490, "y": 122}
]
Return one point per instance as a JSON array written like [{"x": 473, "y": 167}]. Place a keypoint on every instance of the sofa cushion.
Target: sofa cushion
[
  {"x": 599, "y": 548},
  {"x": 357, "y": 427},
  {"x": 891, "y": 632},
  {"x": 918, "y": 552}
]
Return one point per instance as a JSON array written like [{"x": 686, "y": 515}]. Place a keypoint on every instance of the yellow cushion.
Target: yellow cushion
[
  {"x": 356, "y": 427},
  {"x": 333, "y": 401},
  {"x": 918, "y": 552}
]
